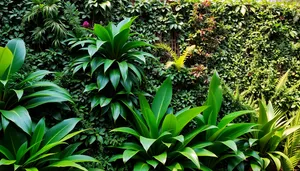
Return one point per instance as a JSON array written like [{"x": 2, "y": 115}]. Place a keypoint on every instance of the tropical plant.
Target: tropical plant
[
  {"x": 178, "y": 61},
  {"x": 113, "y": 62},
  {"x": 224, "y": 137},
  {"x": 16, "y": 98},
  {"x": 272, "y": 129},
  {"x": 50, "y": 21},
  {"x": 160, "y": 142},
  {"x": 291, "y": 146},
  {"x": 45, "y": 149}
]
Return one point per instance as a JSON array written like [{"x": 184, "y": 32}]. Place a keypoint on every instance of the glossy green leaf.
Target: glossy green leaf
[
  {"x": 141, "y": 167},
  {"x": 191, "y": 155},
  {"x": 127, "y": 130},
  {"x": 17, "y": 47},
  {"x": 128, "y": 154},
  {"x": 169, "y": 124},
  {"x": 149, "y": 116},
  {"x": 20, "y": 116},
  {"x": 146, "y": 142},
  {"x": 123, "y": 69},
  {"x": 6, "y": 162},
  {"x": 67, "y": 163},
  {"x": 6, "y": 153},
  {"x": 162, "y": 157},
  {"x": 37, "y": 136},
  {"x": 107, "y": 64},
  {"x": 114, "y": 76},
  {"x": 6, "y": 58},
  {"x": 162, "y": 100},
  {"x": 115, "y": 110},
  {"x": 102, "y": 81},
  {"x": 60, "y": 130},
  {"x": 96, "y": 63}
]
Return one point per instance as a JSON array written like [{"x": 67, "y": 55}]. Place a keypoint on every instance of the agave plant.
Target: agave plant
[
  {"x": 159, "y": 139},
  {"x": 113, "y": 62},
  {"x": 31, "y": 92},
  {"x": 178, "y": 61},
  {"x": 225, "y": 136},
  {"x": 44, "y": 150}
]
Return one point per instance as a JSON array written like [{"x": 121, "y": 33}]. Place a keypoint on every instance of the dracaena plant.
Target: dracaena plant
[
  {"x": 223, "y": 139},
  {"x": 159, "y": 141},
  {"x": 45, "y": 149},
  {"x": 16, "y": 98},
  {"x": 114, "y": 64},
  {"x": 272, "y": 129},
  {"x": 178, "y": 61}
]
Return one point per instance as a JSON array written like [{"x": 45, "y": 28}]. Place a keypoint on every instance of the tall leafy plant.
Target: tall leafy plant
[
  {"x": 16, "y": 98},
  {"x": 45, "y": 149},
  {"x": 224, "y": 137},
  {"x": 114, "y": 64},
  {"x": 159, "y": 140}
]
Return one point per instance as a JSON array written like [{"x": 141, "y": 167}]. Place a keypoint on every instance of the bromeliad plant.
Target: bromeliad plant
[
  {"x": 31, "y": 92},
  {"x": 44, "y": 150},
  {"x": 113, "y": 62},
  {"x": 159, "y": 139},
  {"x": 178, "y": 61}
]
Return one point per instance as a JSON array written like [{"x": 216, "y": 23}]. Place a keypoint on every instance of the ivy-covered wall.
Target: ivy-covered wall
[{"x": 250, "y": 44}]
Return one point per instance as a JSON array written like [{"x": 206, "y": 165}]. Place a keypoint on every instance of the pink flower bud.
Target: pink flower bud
[{"x": 86, "y": 24}]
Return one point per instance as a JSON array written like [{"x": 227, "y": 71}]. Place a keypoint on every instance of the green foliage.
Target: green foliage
[
  {"x": 31, "y": 92},
  {"x": 43, "y": 149},
  {"x": 160, "y": 141},
  {"x": 113, "y": 62},
  {"x": 50, "y": 21}
]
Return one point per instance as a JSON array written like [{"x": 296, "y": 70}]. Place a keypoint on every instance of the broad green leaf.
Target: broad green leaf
[
  {"x": 119, "y": 41},
  {"x": 20, "y": 116},
  {"x": 31, "y": 169},
  {"x": 60, "y": 130},
  {"x": 153, "y": 163},
  {"x": 191, "y": 155},
  {"x": 104, "y": 101},
  {"x": 70, "y": 150},
  {"x": 116, "y": 157},
  {"x": 115, "y": 110},
  {"x": 102, "y": 81},
  {"x": 285, "y": 161},
  {"x": 102, "y": 33},
  {"x": 37, "y": 136},
  {"x": 134, "y": 44},
  {"x": 128, "y": 154},
  {"x": 37, "y": 75},
  {"x": 162, "y": 157},
  {"x": 201, "y": 152},
  {"x": 230, "y": 144},
  {"x": 123, "y": 69},
  {"x": 6, "y": 153},
  {"x": 21, "y": 151},
  {"x": 230, "y": 117},
  {"x": 141, "y": 167},
  {"x": 67, "y": 163},
  {"x": 149, "y": 116},
  {"x": 80, "y": 158},
  {"x": 185, "y": 117},
  {"x": 96, "y": 63},
  {"x": 6, "y": 58},
  {"x": 114, "y": 76},
  {"x": 135, "y": 71},
  {"x": 255, "y": 166},
  {"x": 169, "y": 124},
  {"x": 162, "y": 100},
  {"x": 19, "y": 93},
  {"x": 146, "y": 142},
  {"x": 17, "y": 47},
  {"x": 6, "y": 162},
  {"x": 107, "y": 64},
  {"x": 276, "y": 161},
  {"x": 127, "y": 130}
]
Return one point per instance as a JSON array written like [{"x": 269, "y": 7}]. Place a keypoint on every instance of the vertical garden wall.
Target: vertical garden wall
[{"x": 253, "y": 46}]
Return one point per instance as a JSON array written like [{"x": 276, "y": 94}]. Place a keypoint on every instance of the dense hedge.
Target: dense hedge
[{"x": 250, "y": 44}]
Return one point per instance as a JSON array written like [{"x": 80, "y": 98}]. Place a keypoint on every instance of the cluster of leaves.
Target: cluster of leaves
[{"x": 50, "y": 21}]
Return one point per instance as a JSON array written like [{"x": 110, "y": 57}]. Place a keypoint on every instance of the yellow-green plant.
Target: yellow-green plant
[
  {"x": 292, "y": 143},
  {"x": 178, "y": 61}
]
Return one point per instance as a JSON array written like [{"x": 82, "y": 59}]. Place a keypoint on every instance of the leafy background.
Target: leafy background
[{"x": 250, "y": 44}]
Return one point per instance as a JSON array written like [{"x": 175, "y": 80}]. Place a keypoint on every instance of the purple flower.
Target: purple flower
[{"x": 86, "y": 24}]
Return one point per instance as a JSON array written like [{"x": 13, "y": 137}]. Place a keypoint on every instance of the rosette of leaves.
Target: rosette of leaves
[
  {"x": 45, "y": 149},
  {"x": 16, "y": 98},
  {"x": 272, "y": 130},
  {"x": 223, "y": 139},
  {"x": 114, "y": 63},
  {"x": 159, "y": 141}
]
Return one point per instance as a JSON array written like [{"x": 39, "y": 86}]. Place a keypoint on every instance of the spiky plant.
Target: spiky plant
[{"x": 178, "y": 61}]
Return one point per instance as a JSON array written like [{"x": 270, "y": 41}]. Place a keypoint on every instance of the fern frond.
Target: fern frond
[
  {"x": 281, "y": 83},
  {"x": 168, "y": 49}
]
